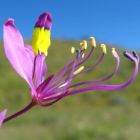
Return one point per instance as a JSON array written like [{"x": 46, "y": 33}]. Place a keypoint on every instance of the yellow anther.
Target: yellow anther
[
  {"x": 103, "y": 46},
  {"x": 93, "y": 42},
  {"x": 72, "y": 50},
  {"x": 83, "y": 45},
  {"x": 79, "y": 70},
  {"x": 41, "y": 40}
]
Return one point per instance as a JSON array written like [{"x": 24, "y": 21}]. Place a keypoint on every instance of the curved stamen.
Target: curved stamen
[
  {"x": 61, "y": 88},
  {"x": 109, "y": 87},
  {"x": 112, "y": 87},
  {"x": 115, "y": 54},
  {"x": 93, "y": 66},
  {"x": 86, "y": 57},
  {"x": 79, "y": 55},
  {"x": 52, "y": 102},
  {"x": 44, "y": 84},
  {"x": 64, "y": 71},
  {"x": 104, "y": 50},
  {"x": 90, "y": 68},
  {"x": 57, "y": 77},
  {"x": 135, "y": 55},
  {"x": 65, "y": 83}
]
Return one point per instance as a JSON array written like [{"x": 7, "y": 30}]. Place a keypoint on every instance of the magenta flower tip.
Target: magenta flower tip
[
  {"x": 44, "y": 20},
  {"x": 9, "y": 21}
]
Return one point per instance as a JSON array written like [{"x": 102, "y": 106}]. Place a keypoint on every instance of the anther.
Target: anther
[
  {"x": 79, "y": 70},
  {"x": 127, "y": 55},
  {"x": 93, "y": 42},
  {"x": 113, "y": 49},
  {"x": 72, "y": 50},
  {"x": 135, "y": 55},
  {"x": 83, "y": 45},
  {"x": 103, "y": 46}
]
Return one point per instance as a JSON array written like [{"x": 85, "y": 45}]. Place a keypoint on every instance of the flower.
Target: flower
[{"x": 29, "y": 63}]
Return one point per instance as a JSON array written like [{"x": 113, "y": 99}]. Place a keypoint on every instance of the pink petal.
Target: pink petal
[
  {"x": 2, "y": 116},
  {"x": 20, "y": 56},
  {"x": 40, "y": 69}
]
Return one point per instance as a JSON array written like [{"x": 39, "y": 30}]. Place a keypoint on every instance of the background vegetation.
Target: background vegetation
[{"x": 94, "y": 115}]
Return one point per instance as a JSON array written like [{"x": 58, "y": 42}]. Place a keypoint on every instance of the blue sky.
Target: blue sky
[{"x": 112, "y": 21}]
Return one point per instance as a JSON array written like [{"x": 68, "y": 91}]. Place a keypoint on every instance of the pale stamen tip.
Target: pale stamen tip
[
  {"x": 113, "y": 49},
  {"x": 83, "y": 45},
  {"x": 103, "y": 47},
  {"x": 93, "y": 42},
  {"x": 72, "y": 50},
  {"x": 79, "y": 70}
]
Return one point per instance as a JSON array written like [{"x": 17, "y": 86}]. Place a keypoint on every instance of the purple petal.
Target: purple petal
[
  {"x": 2, "y": 116},
  {"x": 44, "y": 20},
  {"x": 40, "y": 69},
  {"x": 20, "y": 56}
]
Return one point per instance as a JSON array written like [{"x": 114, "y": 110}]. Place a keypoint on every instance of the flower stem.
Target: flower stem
[{"x": 25, "y": 109}]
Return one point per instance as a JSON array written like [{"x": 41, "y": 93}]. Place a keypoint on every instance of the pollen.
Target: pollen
[
  {"x": 103, "y": 47},
  {"x": 113, "y": 49},
  {"x": 83, "y": 45},
  {"x": 79, "y": 70},
  {"x": 41, "y": 40},
  {"x": 72, "y": 50},
  {"x": 93, "y": 42}
]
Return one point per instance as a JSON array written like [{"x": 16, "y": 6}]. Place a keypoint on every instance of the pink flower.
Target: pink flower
[{"x": 29, "y": 63}]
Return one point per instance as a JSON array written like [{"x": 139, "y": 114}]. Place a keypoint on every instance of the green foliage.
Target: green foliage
[{"x": 94, "y": 115}]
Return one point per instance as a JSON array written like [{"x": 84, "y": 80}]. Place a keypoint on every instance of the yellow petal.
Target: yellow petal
[{"x": 41, "y": 40}]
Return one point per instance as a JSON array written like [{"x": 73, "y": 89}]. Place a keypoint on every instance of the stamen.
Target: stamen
[
  {"x": 93, "y": 66},
  {"x": 112, "y": 87},
  {"x": 103, "y": 47},
  {"x": 64, "y": 84},
  {"x": 83, "y": 55},
  {"x": 83, "y": 45},
  {"x": 78, "y": 51},
  {"x": 72, "y": 50},
  {"x": 127, "y": 55},
  {"x": 93, "y": 42},
  {"x": 79, "y": 70},
  {"x": 135, "y": 55},
  {"x": 113, "y": 49},
  {"x": 63, "y": 89},
  {"x": 114, "y": 53}
]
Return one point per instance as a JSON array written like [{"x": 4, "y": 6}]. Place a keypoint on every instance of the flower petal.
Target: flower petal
[
  {"x": 20, "y": 56},
  {"x": 2, "y": 116},
  {"x": 40, "y": 69}
]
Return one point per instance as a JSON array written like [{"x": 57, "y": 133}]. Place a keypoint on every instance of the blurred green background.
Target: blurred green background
[{"x": 100, "y": 115}]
